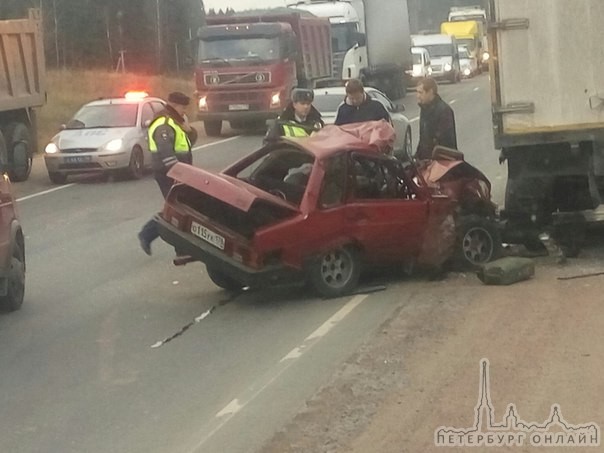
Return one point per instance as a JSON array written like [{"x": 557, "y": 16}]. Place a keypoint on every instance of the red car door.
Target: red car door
[{"x": 384, "y": 213}]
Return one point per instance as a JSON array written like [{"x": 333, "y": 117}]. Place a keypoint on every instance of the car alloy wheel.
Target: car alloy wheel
[{"x": 336, "y": 272}]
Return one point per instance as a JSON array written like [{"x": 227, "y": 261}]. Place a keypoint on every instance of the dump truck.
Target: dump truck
[
  {"x": 247, "y": 66},
  {"x": 382, "y": 55},
  {"x": 22, "y": 90},
  {"x": 548, "y": 116}
]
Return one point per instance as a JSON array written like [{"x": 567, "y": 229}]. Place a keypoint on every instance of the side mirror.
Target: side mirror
[
  {"x": 63, "y": 127},
  {"x": 147, "y": 123},
  {"x": 398, "y": 108},
  {"x": 361, "y": 39}
]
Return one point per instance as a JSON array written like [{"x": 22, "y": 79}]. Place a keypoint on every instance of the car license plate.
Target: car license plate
[
  {"x": 239, "y": 107},
  {"x": 77, "y": 159},
  {"x": 207, "y": 235}
]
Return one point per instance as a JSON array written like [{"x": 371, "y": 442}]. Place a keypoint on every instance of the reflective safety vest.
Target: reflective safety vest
[
  {"x": 292, "y": 129},
  {"x": 181, "y": 139}
]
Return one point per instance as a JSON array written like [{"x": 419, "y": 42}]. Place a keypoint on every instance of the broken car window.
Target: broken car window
[
  {"x": 333, "y": 187},
  {"x": 379, "y": 179}
]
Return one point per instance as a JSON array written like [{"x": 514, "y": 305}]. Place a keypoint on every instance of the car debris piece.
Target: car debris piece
[{"x": 506, "y": 271}]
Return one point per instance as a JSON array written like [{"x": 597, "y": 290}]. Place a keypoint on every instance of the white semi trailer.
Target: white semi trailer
[{"x": 383, "y": 53}]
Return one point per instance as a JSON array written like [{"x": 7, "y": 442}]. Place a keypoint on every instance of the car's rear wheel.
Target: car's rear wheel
[
  {"x": 212, "y": 128},
  {"x": 19, "y": 151},
  {"x": 478, "y": 241},
  {"x": 336, "y": 272},
  {"x": 222, "y": 280},
  {"x": 15, "y": 285},
  {"x": 136, "y": 167},
  {"x": 57, "y": 178}
]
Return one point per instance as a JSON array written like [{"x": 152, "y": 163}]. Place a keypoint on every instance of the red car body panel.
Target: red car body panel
[{"x": 261, "y": 230}]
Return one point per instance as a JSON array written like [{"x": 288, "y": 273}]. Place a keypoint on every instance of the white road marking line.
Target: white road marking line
[
  {"x": 477, "y": 88},
  {"x": 223, "y": 416},
  {"x": 207, "y": 145},
  {"x": 453, "y": 101},
  {"x": 54, "y": 189},
  {"x": 414, "y": 119}
]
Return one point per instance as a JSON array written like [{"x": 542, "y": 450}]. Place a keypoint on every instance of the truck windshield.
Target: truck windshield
[
  {"x": 476, "y": 17},
  {"x": 417, "y": 58},
  {"x": 439, "y": 50},
  {"x": 239, "y": 48},
  {"x": 343, "y": 36},
  {"x": 467, "y": 43},
  {"x": 110, "y": 115}
]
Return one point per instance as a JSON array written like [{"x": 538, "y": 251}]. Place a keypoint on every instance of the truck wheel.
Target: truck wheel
[
  {"x": 336, "y": 272},
  {"x": 212, "y": 128},
  {"x": 20, "y": 154},
  {"x": 222, "y": 280},
  {"x": 478, "y": 241},
  {"x": 15, "y": 286},
  {"x": 57, "y": 178}
]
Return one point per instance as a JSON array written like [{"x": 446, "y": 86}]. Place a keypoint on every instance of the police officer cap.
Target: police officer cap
[
  {"x": 302, "y": 95},
  {"x": 179, "y": 98}
]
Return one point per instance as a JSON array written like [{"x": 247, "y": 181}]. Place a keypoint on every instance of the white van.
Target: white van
[
  {"x": 421, "y": 64},
  {"x": 444, "y": 55}
]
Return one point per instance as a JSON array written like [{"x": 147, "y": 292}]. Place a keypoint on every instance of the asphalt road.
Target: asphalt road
[{"x": 79, "y": 373}]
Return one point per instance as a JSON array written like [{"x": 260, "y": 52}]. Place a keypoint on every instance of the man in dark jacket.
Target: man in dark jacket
[
  {"x": 170, "y": 141},
  {"x": 358, "y": 107},
  {"x": 299, "y": 119},
  {"x": 436, "y": 120}
]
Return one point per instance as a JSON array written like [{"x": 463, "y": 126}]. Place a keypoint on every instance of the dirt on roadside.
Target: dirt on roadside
[{"x": 421, "y": 370}]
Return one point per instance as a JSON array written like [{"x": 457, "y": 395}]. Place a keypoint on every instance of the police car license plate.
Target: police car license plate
[
  {"x": 207, "y": 235},
  {"x": 239, "y": 107},
  {"x": 77, "y": 159}
]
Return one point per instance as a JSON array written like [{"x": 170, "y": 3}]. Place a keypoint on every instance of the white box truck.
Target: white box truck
[
  {"x": 548, "y": 114},
  {"x": 383, "y": 54}
]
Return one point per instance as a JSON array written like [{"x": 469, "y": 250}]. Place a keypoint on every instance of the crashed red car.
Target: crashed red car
[{"x": 315, "y": 209}]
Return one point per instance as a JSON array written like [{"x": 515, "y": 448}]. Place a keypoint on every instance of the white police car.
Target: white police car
[{"x": 108, "y": 135}]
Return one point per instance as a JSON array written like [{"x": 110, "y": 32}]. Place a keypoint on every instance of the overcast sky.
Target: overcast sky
[{"x": 239, "y": 5}]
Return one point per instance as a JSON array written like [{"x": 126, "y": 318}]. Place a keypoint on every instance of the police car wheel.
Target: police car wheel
[{"x": 137, "y": 163}]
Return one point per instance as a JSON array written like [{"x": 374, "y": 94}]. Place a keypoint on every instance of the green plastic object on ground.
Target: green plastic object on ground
[{"x": 506, "y": 271}]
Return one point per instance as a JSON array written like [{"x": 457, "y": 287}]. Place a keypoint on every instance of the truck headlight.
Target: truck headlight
[
  {"x": 467, "y": 72},
  {"x": 114, "y": 145},
  {"x": 203, "y": 103},
  {"x": 448, "y": 67},
  {"x": 51, "y": 148},
  {"x": 486, "y": 56}
]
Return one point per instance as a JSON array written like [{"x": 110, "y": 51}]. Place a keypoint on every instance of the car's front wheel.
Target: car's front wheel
[
  {"x": 336, "y": 272},
  {"x": 223, "y": 280},
  {"x": 478, "y": 241},
  {"x": 57, "y": 178},
  {"x": 136, "y": 167},
  {"x": 15, "y": 285}
]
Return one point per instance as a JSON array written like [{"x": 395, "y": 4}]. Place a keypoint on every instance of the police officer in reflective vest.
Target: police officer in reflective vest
[
  {"x": 170, "y": 141},
  {"x": 299, "y": 119}
]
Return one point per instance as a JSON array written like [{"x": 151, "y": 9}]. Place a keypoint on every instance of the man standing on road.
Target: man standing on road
[
  {"x": 299, "y": 119},
  {"x": 170, "y": 140},
  {"x": 358, "y": 107},
  {"x": 436, "y": 120}
]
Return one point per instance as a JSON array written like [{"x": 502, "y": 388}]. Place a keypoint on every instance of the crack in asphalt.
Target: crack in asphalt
[{"x": 198, "y": 319}]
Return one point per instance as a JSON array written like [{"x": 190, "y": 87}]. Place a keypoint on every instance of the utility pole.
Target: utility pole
[{"x": 158, "y": 17}]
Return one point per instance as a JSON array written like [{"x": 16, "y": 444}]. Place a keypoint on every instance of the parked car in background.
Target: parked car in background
[
  {"x": 108, "y": 135},
  {"x": 12, "y": 250},
  {"x": 327, "y": 101},
  {"x": 319, "y": 209}
]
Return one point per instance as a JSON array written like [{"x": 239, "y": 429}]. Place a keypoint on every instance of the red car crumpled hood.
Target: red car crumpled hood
[
  {"x": 457, "y": 179},
  {"x": 223, "y": 187}
]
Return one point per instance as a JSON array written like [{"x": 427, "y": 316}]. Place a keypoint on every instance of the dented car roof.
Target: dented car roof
[{"x": 370, "y": 136}]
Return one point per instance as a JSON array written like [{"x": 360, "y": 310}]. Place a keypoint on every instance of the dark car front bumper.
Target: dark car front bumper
[{"x": 202, "y": 251}]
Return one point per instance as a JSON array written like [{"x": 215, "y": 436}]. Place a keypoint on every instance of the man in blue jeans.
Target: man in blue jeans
[{"x": 170, "y": 141}]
